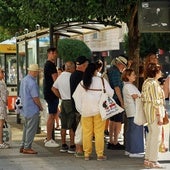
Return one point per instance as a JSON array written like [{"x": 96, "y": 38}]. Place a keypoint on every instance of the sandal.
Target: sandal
[
  {"x": 155, "y": 165},
  {"x": 102, "y": 158},
  {"x": 146, "y": 163},
  {"x": 86, "y": 158}
]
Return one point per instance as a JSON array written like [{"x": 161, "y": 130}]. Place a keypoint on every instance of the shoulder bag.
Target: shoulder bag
[
  {"x": 107, "y": 105},
  {"x": 139, "y": 118}
]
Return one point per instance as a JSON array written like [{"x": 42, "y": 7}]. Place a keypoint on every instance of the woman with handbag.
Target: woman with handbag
[
  {"x": 89, "y": 91},
  {"x": 134, "y": 145},
  {"x": 3, "y": 109},
  {"x": 153, "y": 103}
]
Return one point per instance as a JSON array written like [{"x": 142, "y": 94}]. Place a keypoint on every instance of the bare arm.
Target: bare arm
[
  {"x": 54, "y": 76},
  {"x": 134, "y": 96},
  {"x": 119, "y": 95},
  {"x": 56, "y": 92},
  {"x": 38, "y": 103}
]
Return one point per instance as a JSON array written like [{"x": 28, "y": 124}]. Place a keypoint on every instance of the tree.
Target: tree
[
  {"x": 112, "y": 12},
  {"x": 70, "y": 49},
  {"x": 54, "y": 12},
  {"x": 151, "y": 42},
  {"x": 4, "y": 34},
  {"x": 9, "y": 12}
]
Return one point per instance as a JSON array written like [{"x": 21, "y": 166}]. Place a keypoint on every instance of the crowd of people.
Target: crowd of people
[{"x": 79, "y": 87}]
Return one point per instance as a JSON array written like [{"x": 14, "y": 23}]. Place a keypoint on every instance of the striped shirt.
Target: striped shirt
[{"x": 153, "y": 99}]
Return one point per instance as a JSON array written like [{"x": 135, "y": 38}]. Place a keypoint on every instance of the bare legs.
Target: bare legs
[
  {"x": 50, "y": 126},
  {"x": 1, "y": 130},
  {"x": 114, "y": 130}
]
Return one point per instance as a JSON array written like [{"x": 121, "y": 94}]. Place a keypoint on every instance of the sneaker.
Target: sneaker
[
  {"x": 64, "y": 148},
  {"x": 4, "y": 146},
  {"x": 118, "y": 146},
  {"x": 101, "y": 158},
  {"x": 79, "y": 154},
  {"x": 51, "y": 143},
  {"x": 110, "y": 145},
  {"x": 127, "y": 153},
  {"x": 72, "y": 149},
  {"x": 136, "y": 155},
  {"x": 45, "y": 140},
  {"x": 106, "y": 133}
]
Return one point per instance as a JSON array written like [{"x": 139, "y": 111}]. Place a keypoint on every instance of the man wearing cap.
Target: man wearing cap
[
  {"x": 114, "y": 75},
  {"x": 31, "y": 105},
  {"x": 81, "y": 65}
]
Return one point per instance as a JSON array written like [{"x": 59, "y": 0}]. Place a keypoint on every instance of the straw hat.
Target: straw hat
[
  {"x": 33, "y": 67},
  {"x": 122, "y": 60}
]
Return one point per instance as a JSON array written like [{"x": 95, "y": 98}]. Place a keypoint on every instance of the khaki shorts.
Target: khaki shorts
[{"x": 67, "y": 114}]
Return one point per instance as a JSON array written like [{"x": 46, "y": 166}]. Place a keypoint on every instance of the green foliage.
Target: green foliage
[
  {"x": 9, "y": 12},
  {"x": 70, "y": 49},
  {"x": 4, "y": 34},
  {"x": 18, "y": 15},
  {"x": 151, "y": 42}
]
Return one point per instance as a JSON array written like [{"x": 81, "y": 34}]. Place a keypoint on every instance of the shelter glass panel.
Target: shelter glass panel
[
  {"x": 44, "y": 43},
  {"x": 32, "y": 52},
  {"x": 21, "y": 60},
  {"x": 11, "y": 69}
]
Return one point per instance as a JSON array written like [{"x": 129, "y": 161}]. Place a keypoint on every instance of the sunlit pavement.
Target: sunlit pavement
[{"x": 52, "y": 159}]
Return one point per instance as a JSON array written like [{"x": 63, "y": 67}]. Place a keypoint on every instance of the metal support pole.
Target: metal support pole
[
  {"x": 18, "y": 119},
  {"x": 51, "y": 35}
]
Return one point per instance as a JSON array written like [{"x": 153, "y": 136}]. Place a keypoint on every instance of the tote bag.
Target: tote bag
[
  {"x": 107, "y": 105},
  {"x": 79, "y": 135},
  {"x": 139, "y": 118}
]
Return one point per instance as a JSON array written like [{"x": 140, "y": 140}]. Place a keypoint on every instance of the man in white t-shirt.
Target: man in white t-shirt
[{"x": 61, "y": 89}]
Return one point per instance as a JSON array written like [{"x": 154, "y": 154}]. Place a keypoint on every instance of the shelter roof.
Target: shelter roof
[{"x": 69, "y": 29}]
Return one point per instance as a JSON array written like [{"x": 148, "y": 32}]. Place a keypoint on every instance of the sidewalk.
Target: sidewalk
[{"x": 52, "y": 159}]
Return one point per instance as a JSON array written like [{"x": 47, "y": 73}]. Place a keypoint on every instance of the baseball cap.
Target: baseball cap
[{"x": 80, "y": 60}]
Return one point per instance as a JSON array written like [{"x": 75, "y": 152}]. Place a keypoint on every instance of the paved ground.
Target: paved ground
[{"x": 52, "y": 159}]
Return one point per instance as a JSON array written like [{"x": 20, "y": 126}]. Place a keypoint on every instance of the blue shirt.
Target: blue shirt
[{"x": 29, "y": 90}]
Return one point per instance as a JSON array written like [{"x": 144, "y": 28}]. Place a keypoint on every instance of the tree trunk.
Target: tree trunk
[{"x": 133, "y": 39}]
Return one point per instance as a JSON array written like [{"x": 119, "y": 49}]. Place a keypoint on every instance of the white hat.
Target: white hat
[
  {"x": 33, "y": 67},
  {"x": 122, "y": 60}
]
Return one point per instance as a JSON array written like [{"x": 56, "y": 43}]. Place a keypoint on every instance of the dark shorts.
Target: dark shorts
[
  {"x": 67, "y": 114},
  {"x": 52, "y": 106},
  {"x": 119, "y": 117}
]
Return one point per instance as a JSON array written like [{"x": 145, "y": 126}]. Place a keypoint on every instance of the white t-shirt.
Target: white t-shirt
[
  {"x": 129, "y": 103},
  {"x": 62, "y": 83}
]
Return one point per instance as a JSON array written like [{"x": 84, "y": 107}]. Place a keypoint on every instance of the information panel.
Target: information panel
[{"x": 154, "y": 16}]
